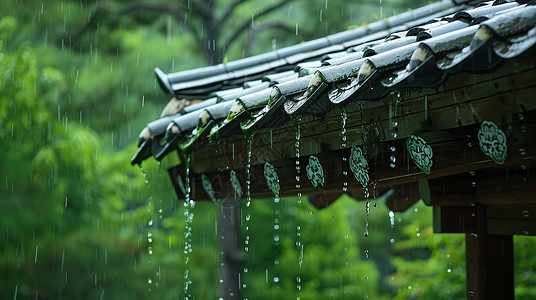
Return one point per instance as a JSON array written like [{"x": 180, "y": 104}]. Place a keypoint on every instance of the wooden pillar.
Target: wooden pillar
[
  {"x": 489, "y": 262},
  {"x": 231, "y": 247}
]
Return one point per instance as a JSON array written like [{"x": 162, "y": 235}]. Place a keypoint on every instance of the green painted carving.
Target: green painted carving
[
  {"x": 236, "y": 184},
  {"x": 315, "y": 172},
  {"x": 492, "y": 141},
  {"x": 359, "y": 165},
  {"x": 421, "y": 153},
  {"x": 272, "y": 180}
]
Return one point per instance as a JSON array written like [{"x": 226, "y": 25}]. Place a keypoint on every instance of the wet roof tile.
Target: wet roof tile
[{"x": 419, "y": 48}]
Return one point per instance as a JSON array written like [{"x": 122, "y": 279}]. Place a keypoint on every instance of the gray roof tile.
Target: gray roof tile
[{"x": 419, "y": 48}]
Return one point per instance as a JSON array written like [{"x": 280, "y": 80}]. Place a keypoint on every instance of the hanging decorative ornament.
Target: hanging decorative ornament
[
  {"x": 492, "y": 141},
  {"x": 236, "y": 184},
  {"x": 272, "y": 180},
  {"x": 207, "y": 186},
  {"x": 359, "y": 165},
  {"x": 421, "y": 153},
  {"x": 315, "y": 172}
]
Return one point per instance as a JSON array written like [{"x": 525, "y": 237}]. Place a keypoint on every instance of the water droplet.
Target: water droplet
[
  {"x": 525, "y": 213},
  {"x": 521, "y": 117},
  {"x": 522, "y": 151},
  {"x": 474, "y": 235},
  {"x": 367, "y": 212}
]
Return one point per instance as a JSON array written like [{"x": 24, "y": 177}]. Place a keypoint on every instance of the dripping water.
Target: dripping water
[
  {"x": 144, "y": 174},
  {"x": 343, "y": 146},
  {"x": 299, "y": 245},
  {"x": 148, "y": 205},
  {"x": 365, "y": 186},
  {"x": 188, "y": 218},
  {"x": 367, "y": 212},
  {"x": 249, "y": 143},
  {"x": 374, "y": 184},
  {"x": 149, "y": 241},
  {"x": 276, "y": 225}
]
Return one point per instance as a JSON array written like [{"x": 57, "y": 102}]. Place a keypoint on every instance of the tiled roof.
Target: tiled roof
[{"x": 413, "y": 50}]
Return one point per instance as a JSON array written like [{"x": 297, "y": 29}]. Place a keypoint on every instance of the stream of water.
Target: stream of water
[{"x": 188, "y": 219}]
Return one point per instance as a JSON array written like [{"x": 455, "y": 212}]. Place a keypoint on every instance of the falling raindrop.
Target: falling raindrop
[
  {"x": 394, "y": 132},
  {"x": 392, "y": 157},
  {"x": 392, "y": 219}
]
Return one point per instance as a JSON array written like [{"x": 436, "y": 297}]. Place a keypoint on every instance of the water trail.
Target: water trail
[
  {"x": 249, "y": 143},
  {"x": 277, "y": 222},
  {"x": 367, "y": 212},
  {"x": 374, "y": 184},
  {"x": 148, "y": 205},
  {"x": 343, "y": 146},
  {"x": 299, "y": 245},
  {"x": 188, "y": 218},
  {"x": 365, "y": 184},
  {"x": 149, "y": 247},
  {"x": 144, "y": 174}
]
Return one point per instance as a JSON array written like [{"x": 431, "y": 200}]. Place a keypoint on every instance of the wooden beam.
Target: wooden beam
[
  {"x": 402, "y": 197},
  {"x": 463, "y": 100},
  {"x": 511, "y": 219},
  {"x": 489, "y": 266},
  {"x": 230, "y": 245},
  {"x": 455, "y": 154},
  {"x": 456, "y": 219}
]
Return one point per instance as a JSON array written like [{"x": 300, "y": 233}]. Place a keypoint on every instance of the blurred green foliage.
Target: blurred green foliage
[{"x": 76, "y": 218}]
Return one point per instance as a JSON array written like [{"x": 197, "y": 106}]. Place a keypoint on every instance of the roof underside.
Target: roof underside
[{"x": 407, "y": 98}]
